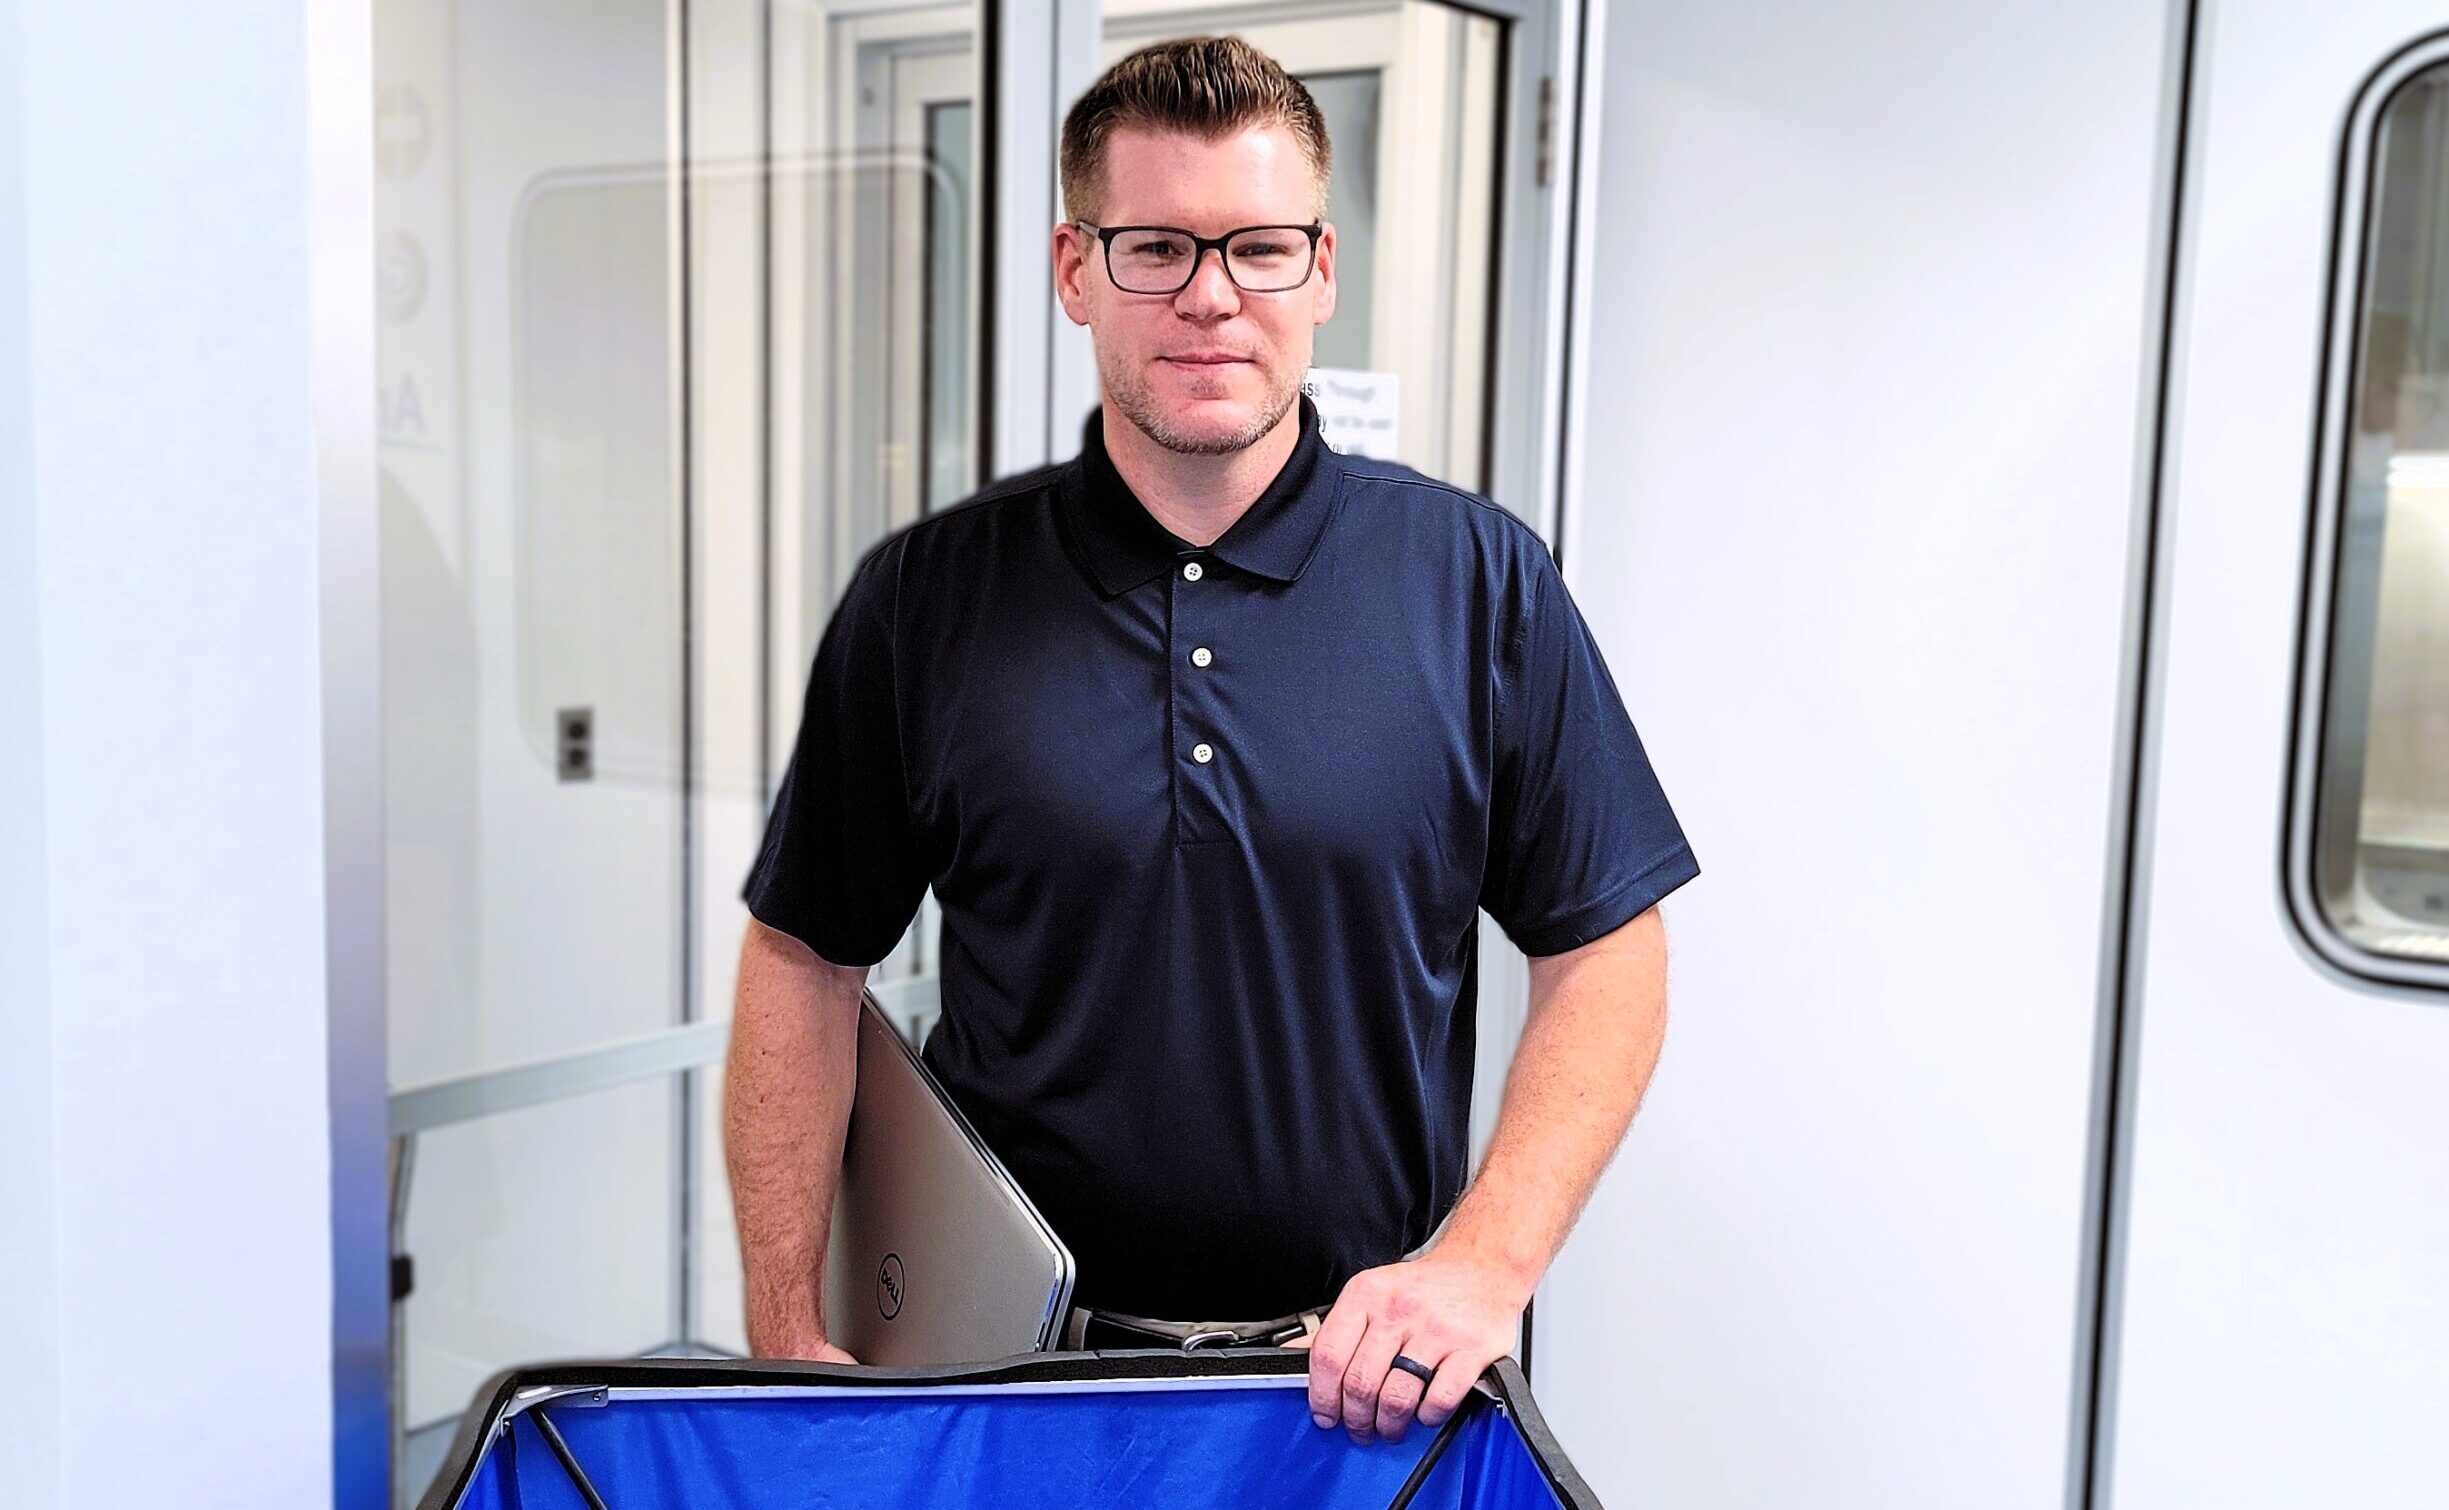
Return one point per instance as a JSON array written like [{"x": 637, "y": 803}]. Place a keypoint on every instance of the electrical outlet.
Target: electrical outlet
[{"x": 577, "y": 744}]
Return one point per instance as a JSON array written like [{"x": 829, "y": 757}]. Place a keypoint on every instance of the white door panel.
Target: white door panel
[
  {"x": 1867, "y": 328},
  {"x": 2284, "y": 1337}
]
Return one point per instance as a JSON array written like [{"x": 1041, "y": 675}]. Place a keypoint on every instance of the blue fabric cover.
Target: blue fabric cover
[{"x": 1186, "y": 1449}]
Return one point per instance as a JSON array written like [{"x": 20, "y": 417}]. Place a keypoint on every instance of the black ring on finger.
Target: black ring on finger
[{"x": 1416, "y": 1368}]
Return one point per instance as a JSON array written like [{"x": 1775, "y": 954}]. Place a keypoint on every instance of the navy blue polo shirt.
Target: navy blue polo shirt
[{"x": 1210, "y": 828}]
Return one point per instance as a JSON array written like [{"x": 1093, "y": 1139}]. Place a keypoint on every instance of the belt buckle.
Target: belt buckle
[{"x": 1209, "y": 1337}]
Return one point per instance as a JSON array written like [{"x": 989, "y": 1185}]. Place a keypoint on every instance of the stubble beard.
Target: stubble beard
[{"x": 1139, "y": 404}]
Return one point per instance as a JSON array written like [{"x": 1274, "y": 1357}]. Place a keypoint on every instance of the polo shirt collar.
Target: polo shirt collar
[{"x": 1125, "y": 546}]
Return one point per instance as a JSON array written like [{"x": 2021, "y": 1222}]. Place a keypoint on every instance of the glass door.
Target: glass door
[
  {"x": 534, "y": 737},
  {"x": 871, "y": 253},
  {"x": 676, "y": 301}
]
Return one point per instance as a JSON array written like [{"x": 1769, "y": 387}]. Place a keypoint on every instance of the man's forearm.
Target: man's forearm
[
  {"x": 1597, "y": 1019},
  {"x": 787, "y": 1090},
  {"x": 1596, "y": 1023}
]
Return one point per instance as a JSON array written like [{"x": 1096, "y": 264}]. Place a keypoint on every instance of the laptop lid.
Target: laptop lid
[{"x": 936, "y": 1255}]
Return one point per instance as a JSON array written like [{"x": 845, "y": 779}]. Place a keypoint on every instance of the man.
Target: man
[{"x": 1212, "y": 743}]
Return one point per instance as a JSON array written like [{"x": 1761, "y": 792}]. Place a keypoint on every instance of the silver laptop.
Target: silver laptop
[{"x": 935, "y": 1256}]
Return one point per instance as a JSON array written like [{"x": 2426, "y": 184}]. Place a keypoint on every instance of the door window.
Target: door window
[{"x": 2379, "y": 833}]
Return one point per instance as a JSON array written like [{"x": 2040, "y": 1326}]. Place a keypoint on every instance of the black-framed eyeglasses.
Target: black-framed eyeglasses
[{"x": 1162, "y": 259}]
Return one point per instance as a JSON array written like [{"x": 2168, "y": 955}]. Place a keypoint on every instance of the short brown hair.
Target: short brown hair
[{"x": 1210, "y": 87}]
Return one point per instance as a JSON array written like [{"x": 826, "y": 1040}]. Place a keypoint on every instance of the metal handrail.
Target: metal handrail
[
  {"x": 415, "y": 1109},
  {"x": 463, "y": 1098}
]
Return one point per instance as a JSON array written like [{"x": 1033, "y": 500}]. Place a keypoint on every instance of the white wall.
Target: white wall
[
  {"x": 164, "y": 1104},
  {"x": 29, "y": 1268},
  {"x": 1865, "y": 352}
]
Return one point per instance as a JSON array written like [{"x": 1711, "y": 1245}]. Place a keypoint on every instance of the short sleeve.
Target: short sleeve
[
  {"x": 1581, "y": 839},
  {"x": 840, "y": 868}
]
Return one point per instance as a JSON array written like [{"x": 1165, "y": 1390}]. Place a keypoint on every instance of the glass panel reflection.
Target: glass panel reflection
[
  {"x": 542, "y": 1233},
  {"x": 951, "y": 446},
  {"x": 531, "y": 520},
  {"x": 874, "y": 263},
  {"x": 1349, "y": 102},
  {"x": 637, "y": 426},
  {"x": 2382, "y": 818}
]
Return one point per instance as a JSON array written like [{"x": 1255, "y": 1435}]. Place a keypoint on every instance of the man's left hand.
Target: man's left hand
[{"x": 1446, "y": 1311}]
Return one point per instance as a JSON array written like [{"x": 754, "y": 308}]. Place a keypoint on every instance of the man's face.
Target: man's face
[{"x": 1149, "y": 345}]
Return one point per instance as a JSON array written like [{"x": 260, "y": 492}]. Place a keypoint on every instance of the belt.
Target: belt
[{"x": 1087, "y": 1326}]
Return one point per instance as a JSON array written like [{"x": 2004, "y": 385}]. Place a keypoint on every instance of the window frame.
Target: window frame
[{"x": 2355, "y": 202}]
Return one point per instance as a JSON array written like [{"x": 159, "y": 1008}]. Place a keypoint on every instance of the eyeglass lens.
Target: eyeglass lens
[{"x": 1261, "y": 260}]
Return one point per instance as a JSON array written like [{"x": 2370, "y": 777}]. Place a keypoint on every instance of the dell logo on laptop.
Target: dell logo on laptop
[{"x": 889, "y": 1287}]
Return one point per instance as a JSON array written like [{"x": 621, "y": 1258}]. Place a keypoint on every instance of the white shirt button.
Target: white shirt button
[
  {"x": 1202, "y": 754},
  {"x": 1200, "y": 656},
  {"x": 1192, "y": 571}
]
